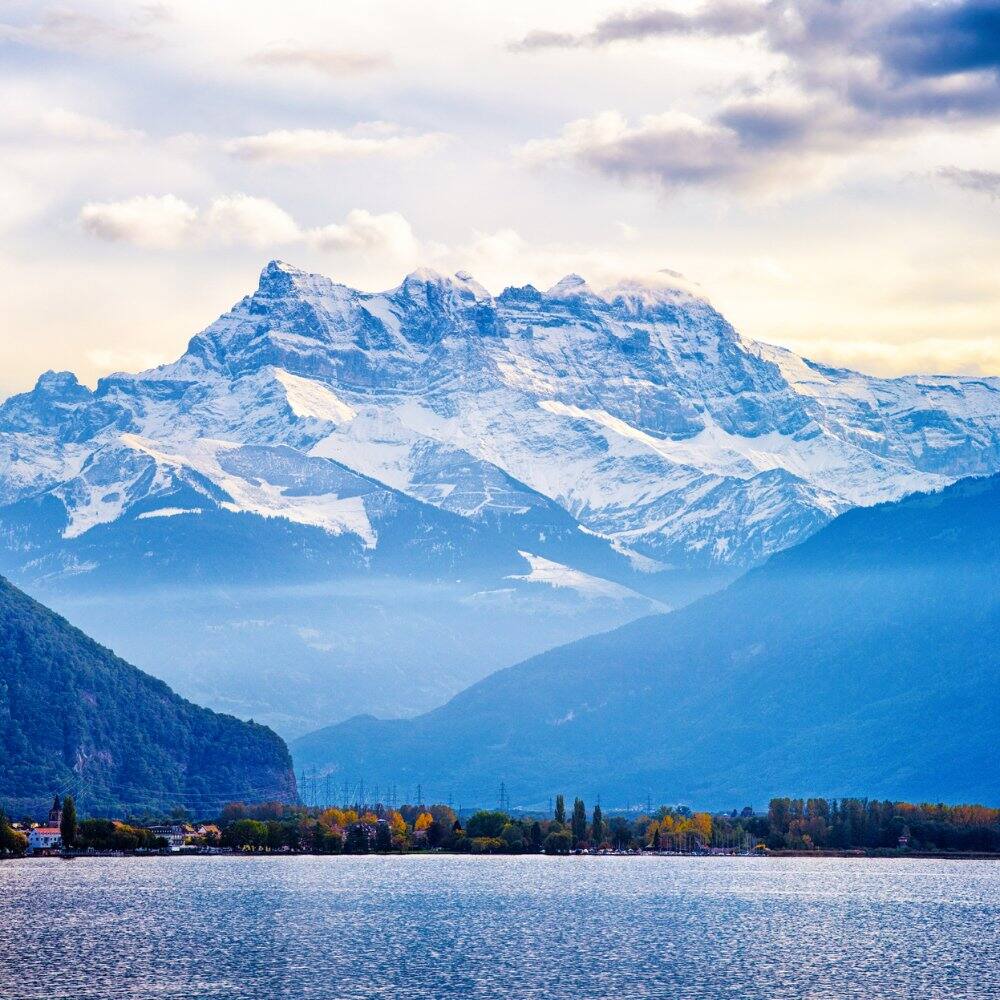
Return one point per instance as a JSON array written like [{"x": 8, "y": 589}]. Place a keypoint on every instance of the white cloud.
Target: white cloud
[
  {"x": 330, "y": 62},
  {"x": 296, "y": 145},
  {"x": 166, "y": 221},
  {"x": 75, "y": 30},
  {"x": 152, "y": 221},
  {"x": 61, "y": 123},
  {"x": 24, "y": 122},
  {"x": 241, "y": 218},
  {"x": 361, "y": 230}
]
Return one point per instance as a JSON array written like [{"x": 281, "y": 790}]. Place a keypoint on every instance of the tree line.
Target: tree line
[
  {"x": 277, "y": 827},
  {"x": 871, "y": 824},
  {"x": 868, "y": 825}
]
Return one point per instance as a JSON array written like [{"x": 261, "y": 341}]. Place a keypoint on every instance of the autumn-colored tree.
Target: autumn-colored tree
[
  {"x": 701, "y": 826},
  {"x": 423, "y": 822},
  {"x": 400, "y": 831}
]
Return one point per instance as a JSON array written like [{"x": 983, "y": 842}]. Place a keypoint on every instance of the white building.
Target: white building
[
  {"x": 172, "y": 833},
  {"x": 44, "y": 838}
]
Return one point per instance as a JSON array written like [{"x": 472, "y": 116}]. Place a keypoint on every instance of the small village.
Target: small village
[{"x": 47, "y": 839}]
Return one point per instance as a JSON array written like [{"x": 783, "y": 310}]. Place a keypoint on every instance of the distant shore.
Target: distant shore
[{"x": 819, "y": 855}]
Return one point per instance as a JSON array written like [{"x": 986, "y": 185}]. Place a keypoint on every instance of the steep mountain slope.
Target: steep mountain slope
[
  {"x": 533, "y": 466},
  {"x": 75, "y": 718},
  {"x": 865, "y": 660}
]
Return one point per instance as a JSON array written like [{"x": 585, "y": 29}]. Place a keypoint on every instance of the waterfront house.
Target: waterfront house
[
  {"x": 172, "y": 833},
  {"x": 44, "y": 840}
]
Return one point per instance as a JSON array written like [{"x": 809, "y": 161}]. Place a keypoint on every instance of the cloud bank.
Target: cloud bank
[
  {"x": 160, "y": 222},
  {"x": 853, "y": 74},
  {"x": 364, "y": 140}
]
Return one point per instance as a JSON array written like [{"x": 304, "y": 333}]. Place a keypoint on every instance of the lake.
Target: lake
[{"x": 442, "y": 926}]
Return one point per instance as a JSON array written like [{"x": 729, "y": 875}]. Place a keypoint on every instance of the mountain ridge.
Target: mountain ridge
[
  {"x": 435, "y": 433},
  {"x": 862, "y": 661},
  {"x": 76, "y": 718}
]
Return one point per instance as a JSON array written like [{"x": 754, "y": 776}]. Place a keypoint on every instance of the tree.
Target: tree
[
  {"x": 67, "y": 826},
  {"x": 560, "y": 814},
  {"x": 486, "y": 823},
  {"x": 536, "y": 835},
  {"x": 383, "y": 837},
  {"x": 514, "y": 836},
  {"x": 701, "y": 824},
  {"x": 357, "y": 839},
  {"x": 275, "y": 838},
  {"x": 560, "y": 842},
  {"x": 11, "y": 841},
  {"x": 621, "y": 833},
  {"x": 246, "y": 833},
  {"x": 400, "y": 831},
  {"x": 579, "y": 825},
  {"x": 597, "y": 827}
]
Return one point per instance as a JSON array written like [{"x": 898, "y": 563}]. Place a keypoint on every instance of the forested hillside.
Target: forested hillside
[
  {"x": 864, "y": 661},
  {"x": 76, "y": 718}
]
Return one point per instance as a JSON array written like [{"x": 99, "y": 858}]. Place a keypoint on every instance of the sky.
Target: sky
[{"x": 827, "y": 171}]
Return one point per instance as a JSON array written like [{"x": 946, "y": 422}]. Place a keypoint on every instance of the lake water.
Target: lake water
[{"x": 580, "y": 928}]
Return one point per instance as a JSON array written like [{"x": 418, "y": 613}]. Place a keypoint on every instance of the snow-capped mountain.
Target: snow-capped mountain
[{"x": 599, "y": 446}]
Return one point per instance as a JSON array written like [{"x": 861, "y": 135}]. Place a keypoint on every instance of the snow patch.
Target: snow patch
[
  {"x": 168, "y": 512},
  {"x": 556, "y": 574},
  {"x": 309, "y": 398},
  {"x": 327, "y": 511}
]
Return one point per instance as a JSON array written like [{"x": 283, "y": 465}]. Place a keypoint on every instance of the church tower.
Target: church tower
[{"x": 55, "y": 813}]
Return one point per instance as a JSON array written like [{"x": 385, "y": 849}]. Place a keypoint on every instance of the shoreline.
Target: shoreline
[{"x": 816, "y": 855}]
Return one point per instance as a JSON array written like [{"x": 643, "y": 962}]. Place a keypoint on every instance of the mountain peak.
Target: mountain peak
[
  {"x": 53, "y": 383},
  {"x": 461, "y": 283},
  {"x": 572, "y": 286},
  {"x": 277, "y": 277}
]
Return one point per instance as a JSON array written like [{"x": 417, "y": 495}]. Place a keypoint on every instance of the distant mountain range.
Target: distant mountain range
[
  {"x": 339, "y": 501},
  {"x": 75, "y": 719},
  {"x": 865, "y": 661}
]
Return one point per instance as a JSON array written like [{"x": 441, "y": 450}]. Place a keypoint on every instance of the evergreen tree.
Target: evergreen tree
[
  {"x": 560, "y": 814},
  {"x": 67, "y": 826},
  {"x": 597, "y": 827},
  {"x": 579, "y": 822},
  {"x": 536, "y": 835},
  {"x": 357, "y": 839}
]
